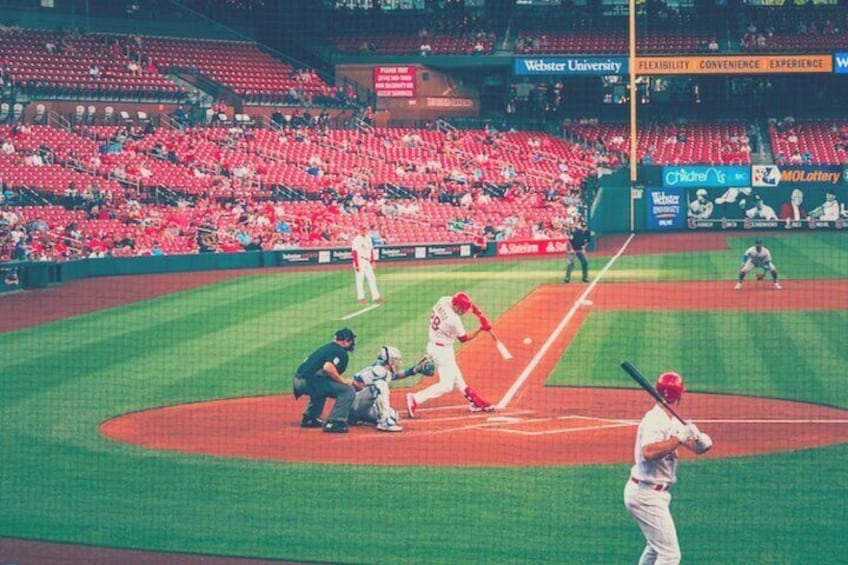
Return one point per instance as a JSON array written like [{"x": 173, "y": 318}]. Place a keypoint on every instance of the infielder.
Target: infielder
[
  {"x": 364, "y": 258},
  {"x": 446, "y": 328},
  {"x": 372, "y": 402},
  {"x": 647, "y": 493},
  {"x": 757, "y": 257}
]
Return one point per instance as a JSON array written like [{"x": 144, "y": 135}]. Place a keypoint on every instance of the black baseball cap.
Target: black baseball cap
[{"x": 758, "y": 241}]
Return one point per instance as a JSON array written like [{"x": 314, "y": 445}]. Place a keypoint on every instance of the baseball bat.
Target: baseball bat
[
  {"x": 640, "y": 379},
  {"x": 501, "y": 347}
]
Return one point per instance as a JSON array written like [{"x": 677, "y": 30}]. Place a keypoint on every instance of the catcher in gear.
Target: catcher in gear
[{"x": 372, "y": 402}]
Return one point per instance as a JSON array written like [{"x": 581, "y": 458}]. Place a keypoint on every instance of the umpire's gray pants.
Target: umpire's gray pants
[{"x": 322, "y": 387}]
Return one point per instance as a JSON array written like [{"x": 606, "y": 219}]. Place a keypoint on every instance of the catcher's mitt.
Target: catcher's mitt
[
  {"x": 761, "y": 276},
  {"x": 426, "y": 366}
]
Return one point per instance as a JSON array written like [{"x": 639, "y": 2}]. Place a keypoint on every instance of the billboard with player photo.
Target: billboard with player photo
[{"x": 785, "y": 206}]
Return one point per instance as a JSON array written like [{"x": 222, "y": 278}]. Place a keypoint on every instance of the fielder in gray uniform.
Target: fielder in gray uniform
[
  {"x": 372, "y": 402},
  {"x": 647, "y": 493},
  {"x": 757, "y": 257}
]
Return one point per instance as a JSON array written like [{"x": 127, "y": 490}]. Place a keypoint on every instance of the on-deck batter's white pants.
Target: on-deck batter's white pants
[
  {"x": 650, "y": 509},
  {"x": 366, "y": 272},
  {"x": 449, "y": 373}
]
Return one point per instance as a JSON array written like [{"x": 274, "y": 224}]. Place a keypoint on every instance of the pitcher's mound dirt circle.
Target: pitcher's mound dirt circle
[{"x": 571, "y": 426}]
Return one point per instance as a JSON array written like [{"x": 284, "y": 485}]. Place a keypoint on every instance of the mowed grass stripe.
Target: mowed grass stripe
[{"x": 774, "y": 354}]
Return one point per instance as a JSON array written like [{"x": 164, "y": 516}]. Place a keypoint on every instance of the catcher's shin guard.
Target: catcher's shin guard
[{"x": 475, "y": 403}]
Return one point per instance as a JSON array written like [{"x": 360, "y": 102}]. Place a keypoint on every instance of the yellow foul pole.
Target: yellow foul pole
[{"x": 634, "y": 155}]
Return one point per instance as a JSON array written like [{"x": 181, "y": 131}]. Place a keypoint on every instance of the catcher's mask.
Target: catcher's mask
[
  {"x": 390, "y": 357},
  {"x": 461, "y": 302},
  {"x": 670, "y": 386},
  {"x": 346, "y": 334}
]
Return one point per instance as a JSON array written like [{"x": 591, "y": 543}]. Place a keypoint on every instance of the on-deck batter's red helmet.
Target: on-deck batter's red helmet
[
  {"x": 670, "y": 386},
  {"x": 461, "y": 302}
]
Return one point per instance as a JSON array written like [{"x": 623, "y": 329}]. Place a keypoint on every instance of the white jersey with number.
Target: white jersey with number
[
  {"x": 445, "y": 324},
  {"x": 656, "y": 426}
]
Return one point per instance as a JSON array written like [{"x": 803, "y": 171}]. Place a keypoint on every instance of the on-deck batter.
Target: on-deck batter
[{"x": 647, "y": 493}]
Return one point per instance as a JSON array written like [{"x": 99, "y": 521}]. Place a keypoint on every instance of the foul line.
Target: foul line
[
  {"x": 558, "y": 330},
  {"x": 358, "y": 312}
]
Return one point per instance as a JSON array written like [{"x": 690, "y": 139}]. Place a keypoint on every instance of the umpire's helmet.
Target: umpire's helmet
[
  {"x": 670, "y": 386},
  {"x": 346, "y": 334}
]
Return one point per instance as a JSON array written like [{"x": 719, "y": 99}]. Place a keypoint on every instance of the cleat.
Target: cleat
[
  {"x": 335, "y": 427},
  {"x": 311, "y": 423},
  {"x": 567, "y": 280},
  {"x": 379, "y": 300},
  {"x": 777, "y": 286},
  {"x": 363, "y": 301},
  {"x": 475, "y": 408},
  {"x": 411, "y": 405},
  {"x": 585, "y": 279},
  {"x": 738, "y": 286},
  {"x": 389, "y": 425}
]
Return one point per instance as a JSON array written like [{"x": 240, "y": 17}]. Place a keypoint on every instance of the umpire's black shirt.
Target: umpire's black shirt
[
  {"x": 332, "y": 352},
  {"x": 579, "y": 238}
]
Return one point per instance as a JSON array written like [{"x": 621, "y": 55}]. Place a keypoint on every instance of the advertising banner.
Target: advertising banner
[
  {"x": 734, "y": 64},
  {"x": 840, "y": 62},
  {"x": 764, "y": 176},
  {"x": 299, "y": 257},
  {"x": 531, "y": 247},
  {"x": 706, "y": 176},
  {"x": 571, "y": 66},
  {"x": 394, "y": 82},
  {"x": 666, "y": 209},
  {"x": 785, "y": 206}
]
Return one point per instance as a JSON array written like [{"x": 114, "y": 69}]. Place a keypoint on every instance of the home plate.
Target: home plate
[{"x": 503, "y": 419}]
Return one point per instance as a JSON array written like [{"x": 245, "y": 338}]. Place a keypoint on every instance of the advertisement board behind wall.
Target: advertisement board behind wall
[
  {"x": 701, "y": 176},
  {"x": 666, "y": 209},
  {"x": 595, "y": 66}
]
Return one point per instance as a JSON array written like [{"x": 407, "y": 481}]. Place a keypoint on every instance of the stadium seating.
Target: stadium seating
[{"x": 809, "y": 141}]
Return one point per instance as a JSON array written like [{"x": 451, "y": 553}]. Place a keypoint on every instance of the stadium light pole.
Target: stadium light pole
[{"x": 634, "y": 156}]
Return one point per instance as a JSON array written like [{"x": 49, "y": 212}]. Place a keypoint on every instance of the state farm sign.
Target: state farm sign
[{"x": 532, "y": 247}]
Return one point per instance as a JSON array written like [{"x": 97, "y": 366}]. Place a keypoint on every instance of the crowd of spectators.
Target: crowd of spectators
[{"x": 477, "y": 184}]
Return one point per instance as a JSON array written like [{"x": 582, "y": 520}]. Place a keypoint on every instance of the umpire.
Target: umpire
[
  {"x": 578, "y": 239},
  {"x": 320, "y": 377}
]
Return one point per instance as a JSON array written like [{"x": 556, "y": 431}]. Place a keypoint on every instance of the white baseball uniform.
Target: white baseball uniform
[
  {"x": 445, "y": 328},
  {"x": 363, "y": 263},
  {"x": 646, "y": 494},
  {"x": 756, "y": 259}
]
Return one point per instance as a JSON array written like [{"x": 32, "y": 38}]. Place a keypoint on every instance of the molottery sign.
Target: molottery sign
[
  {"x": 764, "y": 176},
  {"x": 571, "y": 66},
  {"x": 705, "y": 176}
]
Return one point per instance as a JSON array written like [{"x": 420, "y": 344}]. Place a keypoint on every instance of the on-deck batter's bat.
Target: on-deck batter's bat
[
  {"x": 501, "y": 347},
  {"x": 640, "y": 379}
]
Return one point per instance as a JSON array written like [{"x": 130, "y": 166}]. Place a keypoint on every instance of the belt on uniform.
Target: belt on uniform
[{"x": 660, "y": 488}]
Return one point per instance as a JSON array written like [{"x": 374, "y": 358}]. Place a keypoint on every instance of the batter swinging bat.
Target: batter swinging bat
[
  {"x": 501, "y": 347},
  {"x": 640, "y": 379}
]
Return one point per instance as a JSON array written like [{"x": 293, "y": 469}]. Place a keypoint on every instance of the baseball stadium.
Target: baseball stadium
[{"x": 423, "y": 281}]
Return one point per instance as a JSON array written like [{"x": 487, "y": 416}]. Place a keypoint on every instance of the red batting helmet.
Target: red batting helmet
[
  {"x": 670, "y": 386},
  {"x": 461, "y": 302}
]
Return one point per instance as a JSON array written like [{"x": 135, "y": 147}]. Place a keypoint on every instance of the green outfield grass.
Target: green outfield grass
[{"x": 62, "y": 481}]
